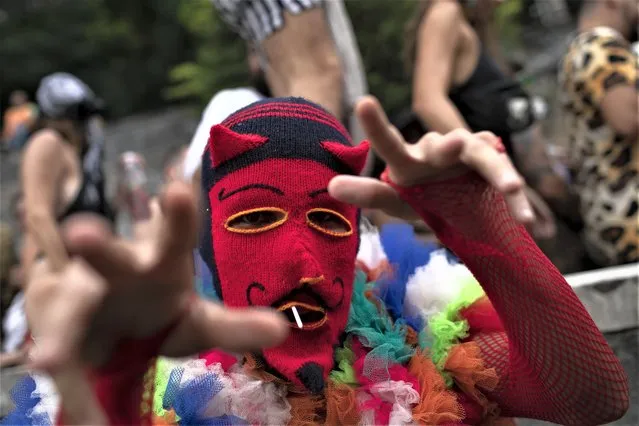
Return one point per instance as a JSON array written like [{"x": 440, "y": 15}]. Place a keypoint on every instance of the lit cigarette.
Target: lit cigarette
[{"x": 297, "y": 317}]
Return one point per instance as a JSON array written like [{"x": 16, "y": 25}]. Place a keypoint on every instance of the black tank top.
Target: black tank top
[
  {"x": 491, "y": 100},
  {"x": 91, "y": 198}
]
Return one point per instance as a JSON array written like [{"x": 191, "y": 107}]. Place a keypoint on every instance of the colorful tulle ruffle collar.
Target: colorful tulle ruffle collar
[{"x": 387, "y": 372}]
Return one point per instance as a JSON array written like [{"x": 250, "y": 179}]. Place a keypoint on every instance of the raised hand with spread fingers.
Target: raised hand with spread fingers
[
  {"x": 434, "y": 157},
  {"x": 124, "y": 302}
]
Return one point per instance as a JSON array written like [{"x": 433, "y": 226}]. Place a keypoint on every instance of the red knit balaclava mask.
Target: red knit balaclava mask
[{"x": 274, "y": 236}]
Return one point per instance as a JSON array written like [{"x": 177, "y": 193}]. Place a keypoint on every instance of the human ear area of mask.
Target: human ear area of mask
[{"x": 274, "y": 235}]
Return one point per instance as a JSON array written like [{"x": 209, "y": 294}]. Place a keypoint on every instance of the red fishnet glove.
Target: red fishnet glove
[
  {"x": 553, "y": 362},
  {"x": 120, "y": 384}
]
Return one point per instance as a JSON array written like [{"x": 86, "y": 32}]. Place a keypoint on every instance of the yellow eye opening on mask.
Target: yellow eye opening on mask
[
  {"x": 256, "y": 220},
  {"x": 329, "y": 222}
]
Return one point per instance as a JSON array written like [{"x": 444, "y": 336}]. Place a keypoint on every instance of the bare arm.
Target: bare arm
[
  {"x": 613, "y": 85},
  {"x": 620, "y": 109},
  {"x": 538, "y": 168},
  {"x": 41, "y": 174},
  {"x": 434, "y": 60},
  {"x": 553, "y": 362}
]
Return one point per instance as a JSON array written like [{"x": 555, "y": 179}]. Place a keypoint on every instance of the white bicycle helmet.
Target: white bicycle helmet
[{"x": 63, "y": 95}]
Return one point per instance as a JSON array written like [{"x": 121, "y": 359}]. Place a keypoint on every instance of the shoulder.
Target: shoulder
[
  {"x": 442, "y": 13},
  {"x": 441, "y": 24},
  {"x": 43, "y": 144},
  {"x": 46, "y": 139}
]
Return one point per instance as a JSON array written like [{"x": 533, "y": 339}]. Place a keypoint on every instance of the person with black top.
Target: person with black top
[
  {"x": 460, "y": 81},
  {"x": 61, "y": 170}
]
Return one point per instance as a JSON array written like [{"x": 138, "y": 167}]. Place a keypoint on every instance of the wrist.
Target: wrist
[
  {"x": 132, "y": 353},
  {"x": 456, "y": 176}
]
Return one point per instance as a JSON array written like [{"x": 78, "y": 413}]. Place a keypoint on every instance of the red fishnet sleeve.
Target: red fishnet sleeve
[{"x": 553, "y": 362}]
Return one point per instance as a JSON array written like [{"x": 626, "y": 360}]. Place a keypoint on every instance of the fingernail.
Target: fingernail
[
  {"x": 510, "y": 179},
  {"x": 527, "y": 214}
]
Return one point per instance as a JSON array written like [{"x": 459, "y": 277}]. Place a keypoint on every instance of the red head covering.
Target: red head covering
[{"x": 273, "y": 235}]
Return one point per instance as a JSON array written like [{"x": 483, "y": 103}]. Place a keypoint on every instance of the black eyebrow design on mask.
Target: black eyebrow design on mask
[
  {"x": 315, "y": 193},
  {"x": 223, "y": 196}
]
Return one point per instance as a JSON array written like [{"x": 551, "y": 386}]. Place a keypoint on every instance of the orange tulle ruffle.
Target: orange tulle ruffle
[
  {"x": 255, "y": 369},
  {"x": 384, "y": 268},
  {"x": 341, "y": 405},
  {"x": 412, "y": 338},
  {"x": 467, "y": 367},
  {"x": 168, "y": 419},
  {"x": 437, "y": 404},
  {"x": 306, "y": 410}
]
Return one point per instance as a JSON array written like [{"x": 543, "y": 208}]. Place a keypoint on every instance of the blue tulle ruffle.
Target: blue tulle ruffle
[
  {"x": 405, "y": 253},
  {"x": 25, "y": 401},
  {"x": 189, "y": 400}
]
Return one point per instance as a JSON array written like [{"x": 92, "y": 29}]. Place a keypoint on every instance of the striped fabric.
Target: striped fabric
[{"x": 255, "y": 20}]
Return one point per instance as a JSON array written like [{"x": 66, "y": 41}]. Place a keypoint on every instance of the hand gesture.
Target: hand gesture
[
  {"x": 433, "y": 157},
  {"x": 112, "y": 289}
]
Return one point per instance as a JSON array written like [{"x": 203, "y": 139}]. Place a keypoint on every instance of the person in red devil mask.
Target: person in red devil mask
[{"x": 280, "y": 229}]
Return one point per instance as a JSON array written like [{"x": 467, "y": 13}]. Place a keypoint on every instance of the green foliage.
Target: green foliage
[
  {"x": 220, "y": 59},
  {"x": 121, "y": 48},
  {"x": 140, "y": 54},
  {"x": 221, "y": 63},
  {"x": 379, "y": 28},
  {"x": 507, "y": 20}
]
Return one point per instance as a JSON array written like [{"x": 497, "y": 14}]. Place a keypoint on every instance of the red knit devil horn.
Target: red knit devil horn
[
  {"x": 225, "y": 144},
  {"x": 353, "y": 156}
]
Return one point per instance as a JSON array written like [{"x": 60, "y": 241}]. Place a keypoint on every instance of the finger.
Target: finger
[
  {"x": 369, "y": 193},
  {"x": 491, "y": 139},
  {"x": 79, "y": 405},
  {"x": 440, "y": 151},
  {"x": 60, "y": 310},
  {"x": 148, "y": 229},
  {"x": 209, "y": 325},
  {"x": 388, "y": 144},
  {"x": 519, "y": 206},
  {"x": 499, "y": 171},
  {"x": 91, "y": 238},
  {"x": 178, "y": 234},
  {"x": 544, "y": 226},
  {"x": 541, "y": 230}
]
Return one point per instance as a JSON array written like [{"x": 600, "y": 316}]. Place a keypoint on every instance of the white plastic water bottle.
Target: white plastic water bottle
[{"x": 133, "y": 193}]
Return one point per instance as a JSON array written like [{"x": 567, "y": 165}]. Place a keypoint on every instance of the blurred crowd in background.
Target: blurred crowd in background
[{"x": 555, "y": 79}]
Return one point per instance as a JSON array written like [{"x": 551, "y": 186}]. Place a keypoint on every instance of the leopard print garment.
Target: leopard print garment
[{"x": 605, "y": 165}]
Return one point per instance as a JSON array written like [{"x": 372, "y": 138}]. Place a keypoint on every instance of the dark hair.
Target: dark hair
[
  {"x": 76, "y": 134},
  {"x": 19, "y": 92},
  {"x": 411, "y": 34}
]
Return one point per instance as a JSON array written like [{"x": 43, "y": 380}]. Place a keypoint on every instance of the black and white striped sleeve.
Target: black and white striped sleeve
[{"x": 256, "y": 20}]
